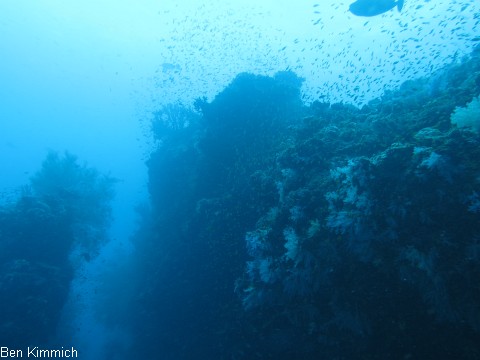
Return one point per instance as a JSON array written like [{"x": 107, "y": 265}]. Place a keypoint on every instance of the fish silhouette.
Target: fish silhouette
[{"x": 374, "y": 7}]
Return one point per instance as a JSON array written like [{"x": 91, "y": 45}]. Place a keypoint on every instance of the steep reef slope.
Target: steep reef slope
[{"x": 280, "y": 231}]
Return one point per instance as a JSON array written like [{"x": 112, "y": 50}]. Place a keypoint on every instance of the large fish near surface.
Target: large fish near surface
[{"x": 374, "y": 7}]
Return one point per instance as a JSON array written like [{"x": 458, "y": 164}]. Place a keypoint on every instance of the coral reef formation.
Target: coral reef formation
[
  {"x": 66, "y": 206},
  {"x": 284, "y": 231}
]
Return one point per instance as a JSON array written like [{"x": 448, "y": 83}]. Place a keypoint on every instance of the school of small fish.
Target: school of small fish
[{"x": 342, "y": 57}]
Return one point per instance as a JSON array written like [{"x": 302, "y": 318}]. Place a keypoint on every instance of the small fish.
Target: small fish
[{"x": 374, "y": 7}]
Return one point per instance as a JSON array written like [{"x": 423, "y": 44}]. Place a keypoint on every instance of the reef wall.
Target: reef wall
[
  {"x": 284, "y": 231},
  {"x": 58, "y": 222}
]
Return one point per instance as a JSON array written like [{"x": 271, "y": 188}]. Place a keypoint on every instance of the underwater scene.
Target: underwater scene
[{"x": 240, "y": 179}]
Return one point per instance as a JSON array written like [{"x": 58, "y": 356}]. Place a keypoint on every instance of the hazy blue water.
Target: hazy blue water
[{"x": 85, "y": 76}]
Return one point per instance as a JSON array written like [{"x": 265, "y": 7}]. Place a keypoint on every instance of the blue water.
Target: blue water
[{"x": 240, "y": 181}]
